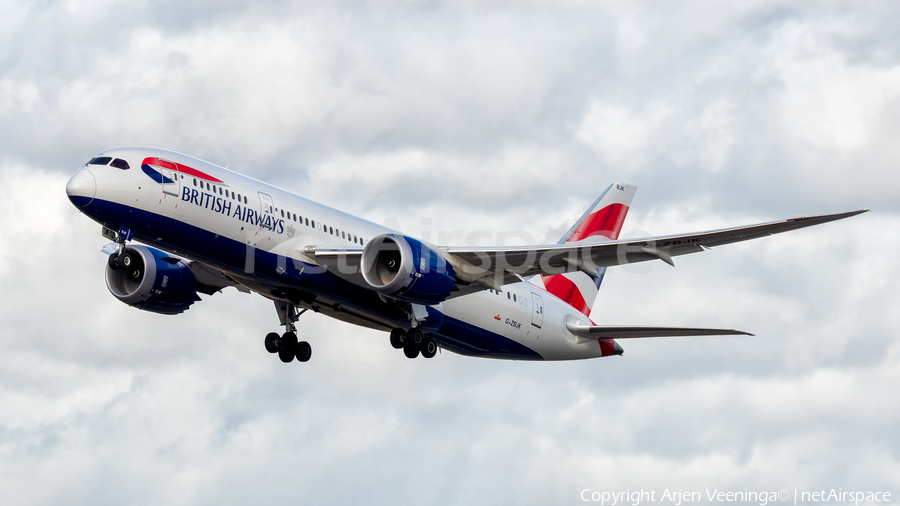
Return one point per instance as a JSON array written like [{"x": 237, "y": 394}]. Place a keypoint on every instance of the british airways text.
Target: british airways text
[{"x": 224, "y": 206}]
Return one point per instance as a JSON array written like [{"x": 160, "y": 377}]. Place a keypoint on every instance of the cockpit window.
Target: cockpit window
[
  {"x": 120, "y": 164},
  {"x": 100, "y": 160}
]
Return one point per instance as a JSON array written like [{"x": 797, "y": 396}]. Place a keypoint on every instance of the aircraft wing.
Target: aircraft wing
[
  {"x": 480, "y": 267},
  {"x": 211, "y": 280},
  {"x": 509, "y": 263}
]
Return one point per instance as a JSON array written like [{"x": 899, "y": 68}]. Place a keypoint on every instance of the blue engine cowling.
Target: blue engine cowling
[
  {"x": 407, "y": 269},
  {"x": 154, "y": 282}
]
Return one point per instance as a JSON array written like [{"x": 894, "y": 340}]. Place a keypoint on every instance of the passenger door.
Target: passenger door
[
  {"x": 537, "y": 315},
  {"x": 267, "y": 208},
  {"x": 171, "y": 180}
]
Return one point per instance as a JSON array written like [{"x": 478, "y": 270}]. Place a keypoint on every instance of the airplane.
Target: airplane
[{"x": 181, "y": 227}]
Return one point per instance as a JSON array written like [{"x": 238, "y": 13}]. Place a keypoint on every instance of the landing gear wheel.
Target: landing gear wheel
[
  {"x": 114, "y": 262},
  {"x": 288, "y": 342},
  {"x": 429, "y": 348},
  {"x": 304, "y": 351},
  {"x": 397, "y": 336},
  {"x": 415, "y": 336},
  {"x": 126, "y": 260},
  {"x": 410, "y": 350},
  {"x": 272, "y": 342},
  {"x": 287, "y": 347}
]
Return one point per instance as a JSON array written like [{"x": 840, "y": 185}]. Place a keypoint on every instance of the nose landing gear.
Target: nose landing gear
[{"x": 286, "y": 345}]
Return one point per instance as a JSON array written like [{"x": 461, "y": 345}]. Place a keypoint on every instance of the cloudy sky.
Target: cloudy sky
[{"x": 459, "y": 117}]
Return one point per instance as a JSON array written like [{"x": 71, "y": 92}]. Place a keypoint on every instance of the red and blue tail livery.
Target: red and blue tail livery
[
  {"x": 602, "y": 222},
  {"x": 181, "y": 227}
]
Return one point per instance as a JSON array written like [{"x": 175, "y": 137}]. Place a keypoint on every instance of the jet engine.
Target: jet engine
[
  {"x": 407, "y": 269},
  {"x": 151, "y": 280}
]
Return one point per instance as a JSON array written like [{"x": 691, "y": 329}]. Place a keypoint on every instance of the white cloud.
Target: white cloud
[
  {"x": 619, "y": 136},
  {"x": 492, "y": 117}
]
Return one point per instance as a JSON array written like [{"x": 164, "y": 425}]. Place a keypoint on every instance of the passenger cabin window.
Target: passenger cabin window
[
  {"x": 100, "y": 160},
  {"x": 120, "y": 164}
]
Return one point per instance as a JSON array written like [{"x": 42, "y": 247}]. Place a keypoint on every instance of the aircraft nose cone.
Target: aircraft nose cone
[
  {"x": 618, "y": 349},
  {"x": 81, "y": 187}
]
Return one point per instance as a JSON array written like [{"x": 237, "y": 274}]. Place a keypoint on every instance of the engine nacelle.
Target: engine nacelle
[
  {"x": 153, "y": 282},
  {"x": 407, "y": 269}
]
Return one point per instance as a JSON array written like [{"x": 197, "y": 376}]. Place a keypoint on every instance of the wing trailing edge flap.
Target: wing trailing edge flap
[
  {"x": 210, "y": 280},
  {"x": 344, "y": 263},
  {"x": 626, "y": 332},
  {"x": 334, "y": 258}
]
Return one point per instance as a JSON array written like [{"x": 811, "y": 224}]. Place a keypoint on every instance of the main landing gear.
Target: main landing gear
[
  {"x": 286, "y": 345},
  {"x": 413, "y": 342}
]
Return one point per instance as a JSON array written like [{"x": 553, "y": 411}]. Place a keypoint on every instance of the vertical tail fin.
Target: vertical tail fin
[
  {"x": 605, "y": 216},
  {"x": 601, "y": 222}
]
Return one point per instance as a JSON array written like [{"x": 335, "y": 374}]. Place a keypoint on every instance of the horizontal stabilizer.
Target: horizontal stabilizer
[{"x": 624, "y": 332}]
